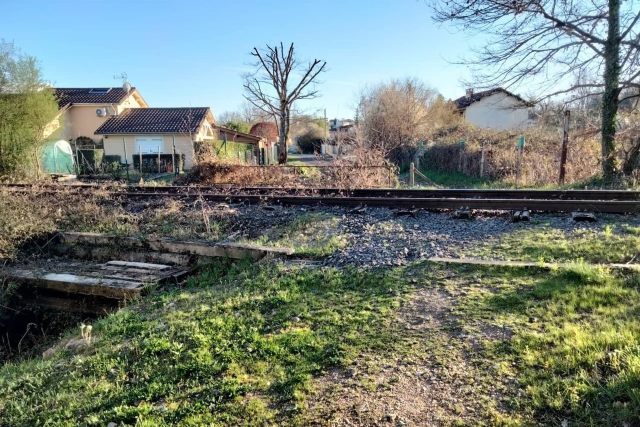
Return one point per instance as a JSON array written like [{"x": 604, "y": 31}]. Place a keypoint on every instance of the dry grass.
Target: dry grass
[
  {"x": 28, "y": 216},
  {"x": 540, "y": 162},
  {"x": 35, "y": 214},
  {"x": 338, "y": 174}
]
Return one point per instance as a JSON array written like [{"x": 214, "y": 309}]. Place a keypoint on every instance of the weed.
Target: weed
[
  {"x": 575, "y": 339},
  {"x": 594, "y": 246},
  {"x": 240, "y": 344},
  {"x": 311, "y": 234}
]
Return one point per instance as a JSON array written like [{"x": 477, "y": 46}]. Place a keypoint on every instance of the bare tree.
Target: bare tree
[
  {"x": 271, "y": 89},
  {"x": 395, "y": 116},
  {"x": 553, "y": 40}
]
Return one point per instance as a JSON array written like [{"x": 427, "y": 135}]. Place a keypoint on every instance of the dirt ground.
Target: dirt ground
[{"x": 430, "y": 383}]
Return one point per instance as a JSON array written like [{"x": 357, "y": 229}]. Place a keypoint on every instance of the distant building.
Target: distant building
[
  {"x": 495, "y": 109},
  {"x": 336, "y": 125}
]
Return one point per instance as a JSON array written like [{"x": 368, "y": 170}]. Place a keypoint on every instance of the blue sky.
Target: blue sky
[{"x": 193, "y": 53}]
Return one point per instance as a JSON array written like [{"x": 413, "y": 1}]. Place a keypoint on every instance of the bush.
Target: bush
[
  {"x": 310, "y": 142},
  {"x": 540, "y": 160}
]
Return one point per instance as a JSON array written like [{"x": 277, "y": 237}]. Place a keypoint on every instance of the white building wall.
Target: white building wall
[{"x": 498, "y": 111}]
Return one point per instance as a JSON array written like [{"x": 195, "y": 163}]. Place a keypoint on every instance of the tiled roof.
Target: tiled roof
[
  {"x": 233, "y": 132},
  {"x": 464, "y": 101},
  {"x": 154, "y": 120},
  {"x": 96, "y": 95}
]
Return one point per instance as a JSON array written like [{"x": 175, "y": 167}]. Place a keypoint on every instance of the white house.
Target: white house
[{"x": 495, "y": 109}]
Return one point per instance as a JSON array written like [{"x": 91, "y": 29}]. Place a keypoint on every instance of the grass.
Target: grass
[
  {"x": 239, "y": 345},
  {"x": 458, "y": 180},
  {"x": 610, "y": 243},
  {"x": 575, "y": 346},
  {"x": 304, "y": 170},
  {"x": 310, "y": 235}
]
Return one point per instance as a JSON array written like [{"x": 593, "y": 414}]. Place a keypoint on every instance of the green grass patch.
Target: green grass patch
[
  {"x": 238, "y": 346},
  {"x": 310, "y": 234},
  {"x": 575, "y": 345},
  {"x": 456, "y": 179},
  {"x": 304, "y": 169},
  {"x": 609, "y": 244}
]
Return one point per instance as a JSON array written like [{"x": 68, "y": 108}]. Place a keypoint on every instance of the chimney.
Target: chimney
[{"x": 469, "y": 93}]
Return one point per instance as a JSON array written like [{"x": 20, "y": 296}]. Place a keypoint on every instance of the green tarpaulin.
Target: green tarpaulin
[{"x": 57, "y": 158}]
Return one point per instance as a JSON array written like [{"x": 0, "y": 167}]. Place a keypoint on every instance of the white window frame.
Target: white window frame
[{"x": 139, "y": 146}]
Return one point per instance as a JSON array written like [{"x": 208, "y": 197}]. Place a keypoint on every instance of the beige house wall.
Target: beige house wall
[
  {"x": 113, "y": 145},
  {"x": 82, "y": 120}
]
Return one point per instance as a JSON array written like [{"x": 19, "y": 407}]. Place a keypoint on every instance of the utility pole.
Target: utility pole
[
  {"x": 565, "y": 142},
  {"x": 326, "y": 127}
]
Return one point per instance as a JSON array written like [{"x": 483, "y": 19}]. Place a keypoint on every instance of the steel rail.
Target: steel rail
[
  {"x": 430, "y": 203},
  {"x": 604, "y": 195}
]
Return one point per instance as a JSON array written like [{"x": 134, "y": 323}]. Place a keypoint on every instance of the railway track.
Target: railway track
[{"x": 605, "y": 201}]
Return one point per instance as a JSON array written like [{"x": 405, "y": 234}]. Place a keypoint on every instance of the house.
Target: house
[
  {"x": 147, "y": 131},
  {"x": 338, "y": 125},
  {"x": 494, "y": 109},
  {"x": 83, "y": 110}
]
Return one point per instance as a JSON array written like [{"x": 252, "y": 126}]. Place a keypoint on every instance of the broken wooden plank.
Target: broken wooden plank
[
  {"x": 77, "y": 284},
  {"x": 223, "y": 249},
  {"x": 114, "y": 279},
  {"x": 141, "y": 265}
]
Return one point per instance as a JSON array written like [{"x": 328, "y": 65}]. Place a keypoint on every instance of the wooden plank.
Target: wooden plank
[
  {"x": 77, "y": 284},
  {"x": 225, "y": 249},
  {"x": 141, "y": 265}
]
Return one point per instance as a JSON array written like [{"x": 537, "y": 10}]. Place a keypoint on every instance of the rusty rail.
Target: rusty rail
[{"x": 602, "y": 201}]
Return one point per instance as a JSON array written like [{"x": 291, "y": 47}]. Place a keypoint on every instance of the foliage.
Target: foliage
[
  {"x": 267, "y": 130},
  {"x": 239, "y": 126},
  {"x": 393, "y": 116},
  {"x": 540, "y": 160},
  {"x": 231, "y": 150},
  {"x": 239, "y": 345},
  {"x": 27, "y": 111},
  {"x": 310, "y": 141}
]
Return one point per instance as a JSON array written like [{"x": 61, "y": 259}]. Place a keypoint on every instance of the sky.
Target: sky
[{"x": 193, "y": 53}]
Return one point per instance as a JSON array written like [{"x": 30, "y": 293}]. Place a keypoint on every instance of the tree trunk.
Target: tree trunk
[
  {"x": 284, "y": 132},
  {"x": 611, "y": 93},
  {"x": 631, "y": 162}
]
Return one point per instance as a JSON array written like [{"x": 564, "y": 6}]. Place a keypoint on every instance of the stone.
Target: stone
[
  {"x": 462, "y": 213},
  {"x": 580, "y": 216},
  {"x": 75, "y": 344},
  {"x": 48, "y": 354}
]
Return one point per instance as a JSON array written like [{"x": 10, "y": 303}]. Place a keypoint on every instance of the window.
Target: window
[{"x": 148, "y": 145}]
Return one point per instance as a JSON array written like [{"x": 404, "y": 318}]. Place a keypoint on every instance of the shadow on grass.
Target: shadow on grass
[{"x": 576, "y": 341}]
